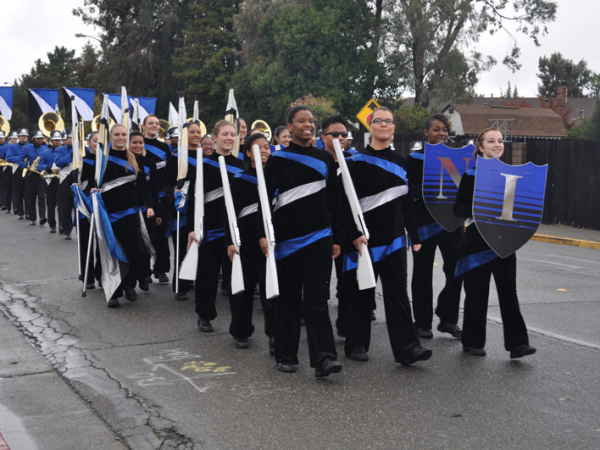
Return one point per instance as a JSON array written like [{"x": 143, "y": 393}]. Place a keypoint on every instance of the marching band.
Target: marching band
[{"x": 136, "y": 184}]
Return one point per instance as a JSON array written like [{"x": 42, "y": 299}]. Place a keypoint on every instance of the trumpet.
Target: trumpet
[{"x": 4, "y": 163}]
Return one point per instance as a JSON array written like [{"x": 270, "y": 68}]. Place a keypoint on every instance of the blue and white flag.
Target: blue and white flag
[
  {"x": 6, "y": 101},
  {"x": 82, "y": 202},
  {"x": 84, "y": 102},
  {"x": 147, "y": 105},
  {"x": 112, "y": 257},
  {"x": 42, "y": 101}
]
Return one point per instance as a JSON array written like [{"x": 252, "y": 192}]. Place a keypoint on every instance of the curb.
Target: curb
[{"x": 566, "y": 241}]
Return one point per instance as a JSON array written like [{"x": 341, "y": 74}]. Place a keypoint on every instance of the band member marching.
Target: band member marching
[
  {"x": 52, "y": 182},
  {"x": 212, "y": 253},
  {"x": 477, "y": 275},
  {"x": 159, "y": 152},
  {"x": 433, "y": 236},
  {"x": 122, "y": 186},
  {"x": 245, "y": 200},
  {"x": 379, "y": 177},
  {"x": 305, "y": 220},
  {"x": 4, "y": 165},
  {"x": 35, "y": 183},
  {"x": 63, "y": 158},
  {"x": 17, "y": 156}
]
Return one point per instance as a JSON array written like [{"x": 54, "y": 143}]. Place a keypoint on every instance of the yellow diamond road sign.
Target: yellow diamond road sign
[{"x": 364, "y": 113}]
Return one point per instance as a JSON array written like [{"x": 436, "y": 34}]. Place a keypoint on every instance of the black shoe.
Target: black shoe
[
  {"x": 424, "y": 333},
  {"x": 52, "y": 230},
  {"x": 241, "y": 343},
  {"x": 68, "y": 237},
  {"x": 149, "y": 280},
  {"x": 144, "y": 286},
  {"x": 272, "y": 345},
  {"x": 33, "y": 223},
  {"x": 474, "y": 351},
  {"x": 522, "y": 350},
  {"x": 4, "y": 208},
  {"x": 61, "y": 230},
  {"x": 181, "y": 296},
  {"x": 43, "y": 222},
  {"x": 452, "y": 328},
  {"x": 162, "y": 278},
  {"x": 417, "y": 353},
  {"x": 327, "y": 367},
  {"x": 113, "y": 303},
  {"x": 287, "y": 368},
  {"x": 373, "y": 317},
  {"x": 8, "y": 211},
  {"x": 359, "y": 354},
  {"x": 130, "y": 293},
  {"x": 90, "y": 286},
  {"x": 205, "y": 326},
  {"x": 20, "y": 217}
]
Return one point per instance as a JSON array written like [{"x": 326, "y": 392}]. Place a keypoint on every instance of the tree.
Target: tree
[
  {"x": 591, "y": 126},
  {"x": 594, "y": 85},
  {"x": 556, "y": 70},
  {"x": 209, "y": 55},
  {"x": 411, "y": 119},
  {"x": 139, "y": 40},
  {"x": 427, "y": 40},
  {"x": 314, "y": 47}
]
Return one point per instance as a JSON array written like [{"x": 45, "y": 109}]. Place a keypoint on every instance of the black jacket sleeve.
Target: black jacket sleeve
[{"x": 463, "y": 205}]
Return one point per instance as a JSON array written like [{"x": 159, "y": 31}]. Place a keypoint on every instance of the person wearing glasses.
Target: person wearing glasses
[
  {"x": 379, "y": 176},
  {"x": 208, "y": 145}
]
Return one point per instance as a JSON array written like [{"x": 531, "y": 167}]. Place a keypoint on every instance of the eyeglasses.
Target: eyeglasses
[
  {"x": 336, "y": 134},
  {"x": 380, "y": 121}
]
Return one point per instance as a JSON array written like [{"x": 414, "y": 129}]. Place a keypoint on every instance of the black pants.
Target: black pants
[
  {"x": 207, "y": 278},
  {"x": 392, "y": 270},
  {"x": 477, "y": 288},
  {"x": 66, "y": 199},
  {"x": 51, "y": 198},
  {"x": 18, "y": 191},
  {"x": 343, "y": 293},
  {"x": 161, "y": 246},
  {"x": 422, "y": 278},
  {"x": 36, "y": 191},
  {"x": 254, "y": 268},
  {"x": 7, "y": 181},
  {"x": 84, "y": 240},
  {"x": 304, "y": 279},
  {"x": 184, "y": 285},
  {"x": 2, "y": 187}
]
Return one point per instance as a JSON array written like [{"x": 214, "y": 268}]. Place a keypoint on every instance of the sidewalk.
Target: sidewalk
[
  {"x": 38, "y": 410},
  {"x": 558, "y": 234}
]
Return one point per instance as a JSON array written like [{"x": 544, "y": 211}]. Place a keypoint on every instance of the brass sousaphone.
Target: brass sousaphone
[
  {"x": 50, "y": 121},
  {"x": 202, "y": 126},
  {"x": 263, "y": 127},
  {"x": 164, "y": 127},
  {"x": 4, "y": 125},
  {"x": 96, "y": 123}
]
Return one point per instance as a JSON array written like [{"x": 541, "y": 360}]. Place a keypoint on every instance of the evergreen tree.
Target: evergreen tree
[
  {"x": 209, "y": 55},
  {"x": 556, "y": 70}
]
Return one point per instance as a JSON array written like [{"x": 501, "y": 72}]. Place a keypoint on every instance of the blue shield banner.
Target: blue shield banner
[
  {"x": 443, "y": 168},
  {"x": 508, "y": 203}
]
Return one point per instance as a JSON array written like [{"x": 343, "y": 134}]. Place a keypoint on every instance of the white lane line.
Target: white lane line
[{"x": 552, "y": 335}]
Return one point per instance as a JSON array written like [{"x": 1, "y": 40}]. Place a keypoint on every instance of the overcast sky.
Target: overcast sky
[{"x": 32, "y": 28}]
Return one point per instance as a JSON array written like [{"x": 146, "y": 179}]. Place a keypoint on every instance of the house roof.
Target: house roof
[{"x": 530, "y": 122}]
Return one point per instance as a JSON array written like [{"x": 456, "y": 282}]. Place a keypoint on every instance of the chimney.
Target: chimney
[
  {"x": 581, "y": 116},
  {"x": 561, "y": 93}
]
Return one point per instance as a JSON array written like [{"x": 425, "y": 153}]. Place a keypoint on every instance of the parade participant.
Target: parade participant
[
  {"x": 63, "y": 158},
  {"x": 8, "y": 175},
  {"x": 36, "y": 185},
  {"x": 122, "y": 187},
  {"x": 335, "y": 127},
  {"x": 3, "y": 149},
  {"x": 174, "y": 137},
  {"x": 16, "y": 155},
  {"x": 47, "y": 164},
  {"x": 159, "y": 152},
  {"x": 348, "y": 147},
  {"x": 281, "y": 138},
  {"x": 208, "y": 145},
  {"x": 212, "y": 254},
  {"x": 171, "y": 185},
  {"x": 379, "y": 177},
  {"x": 148, "y": 167},
  {"x": 489, "y": 144},
  {"x": 243, "y": 131},
  {"x": 245, "y": 200},
  {"x": 88, "y": 171},
  {"x": 305, "y": 220},
  {"x": 432, "y": 235}
]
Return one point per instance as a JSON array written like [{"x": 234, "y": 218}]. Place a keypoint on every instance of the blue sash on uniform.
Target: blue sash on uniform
[
  {"x": 247, "y": 177},
  {"x": 313, "y": 163},
  {"x": 475, "y": 260},
  {"x": 382, "y": 163},
  {"x": 291, "y": 246},
  {"x": 377, "y": 253},
  {"x": 156, "y": 151},
  {"x": 231, "y": 169},
  {"x": 119, "y": 215}
]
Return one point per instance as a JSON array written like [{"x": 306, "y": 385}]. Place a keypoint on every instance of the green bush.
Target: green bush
[
  {"x": 411, "y": 119},
  {"x": 320, "y": 106}
]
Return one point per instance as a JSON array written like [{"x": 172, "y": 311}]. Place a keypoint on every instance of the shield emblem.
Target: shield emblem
[
  {"x": 508, "y": 203},
  {"x": 443, "y": 168}
]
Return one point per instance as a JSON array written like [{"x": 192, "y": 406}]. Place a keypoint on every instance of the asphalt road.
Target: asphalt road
[{"x": 157, "y": 382}]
